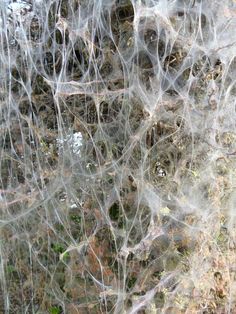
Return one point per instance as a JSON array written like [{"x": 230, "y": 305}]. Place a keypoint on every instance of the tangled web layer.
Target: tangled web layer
[{"x": 117, "y": 156}]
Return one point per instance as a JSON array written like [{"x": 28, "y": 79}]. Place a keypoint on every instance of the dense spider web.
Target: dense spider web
[{"x": 117, "y": 156}]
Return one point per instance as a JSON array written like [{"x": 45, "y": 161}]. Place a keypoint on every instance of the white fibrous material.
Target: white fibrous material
[
  {"x": 74, "y": 141},
  {"x": 117, "y": 156}
]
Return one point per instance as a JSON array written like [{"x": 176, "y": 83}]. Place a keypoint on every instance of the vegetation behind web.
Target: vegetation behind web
[{"x": 117, "y": 159}]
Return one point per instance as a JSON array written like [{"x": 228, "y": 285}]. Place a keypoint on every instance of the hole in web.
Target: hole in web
[{"x": 125, "y": 12}]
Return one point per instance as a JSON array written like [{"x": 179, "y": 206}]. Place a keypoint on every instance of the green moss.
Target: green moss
[
  {"x": 10, "y": 269},
  {"x": 75, "y": 218},
  {"x": 55, "y": 310},
  {"x": 57, "y": 248}
]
